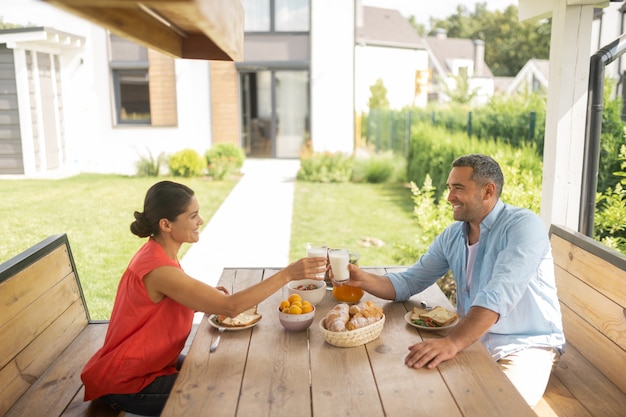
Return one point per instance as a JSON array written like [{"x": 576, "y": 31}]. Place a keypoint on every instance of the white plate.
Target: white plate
[
  {"x": 232, "y": 329},
  {"x": 407, "y": 318}
]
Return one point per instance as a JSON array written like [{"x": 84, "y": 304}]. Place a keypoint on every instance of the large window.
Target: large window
[
  {"x": 276, "y": 15},
  {"x": 144, "y": 85}
]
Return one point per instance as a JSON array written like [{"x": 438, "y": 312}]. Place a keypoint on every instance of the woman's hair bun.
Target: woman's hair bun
[{"x": 140, "y": 227}]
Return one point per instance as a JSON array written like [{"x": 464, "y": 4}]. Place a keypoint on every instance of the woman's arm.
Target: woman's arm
[{"x": 174, "y": 283}]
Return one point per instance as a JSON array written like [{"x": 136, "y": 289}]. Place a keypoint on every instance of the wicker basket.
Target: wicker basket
[{"x": 351, "y": 338}]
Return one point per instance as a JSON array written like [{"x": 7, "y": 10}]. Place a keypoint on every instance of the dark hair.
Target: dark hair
[
  {"x": 164, "y": 200},
  {"x": 485, "y": 169}
]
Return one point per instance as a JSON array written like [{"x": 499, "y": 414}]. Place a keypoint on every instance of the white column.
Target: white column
[{"x": 566, "y": 113}]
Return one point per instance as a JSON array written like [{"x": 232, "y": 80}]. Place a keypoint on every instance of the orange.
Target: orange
[
  {"x": 294, "y": 297},
  {"x": 295, "y": 309}
]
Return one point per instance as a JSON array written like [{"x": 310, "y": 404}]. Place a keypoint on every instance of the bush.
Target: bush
[
  {"x": 186, "y": 163},
  {"x": 224, "y": 159},
  {"x": 325, "y": 167},
  {"x": 379, "y": 168},
  {"x": 149, "y": 166}
]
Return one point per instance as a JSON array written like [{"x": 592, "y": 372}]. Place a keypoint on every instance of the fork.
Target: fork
[{"x": 216, "y": 343}]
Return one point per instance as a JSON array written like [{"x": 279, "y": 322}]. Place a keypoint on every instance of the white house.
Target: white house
[
  {"x": 388, "y": 48},
  {"x": 105, "y": 102}
]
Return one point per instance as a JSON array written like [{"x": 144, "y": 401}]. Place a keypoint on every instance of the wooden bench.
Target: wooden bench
[
  {"x": 590, "y": 379},
  {"x": 47, "y": 335}
]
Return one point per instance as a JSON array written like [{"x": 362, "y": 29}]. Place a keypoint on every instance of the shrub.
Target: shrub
[
  {"x": 186, "y": 163},
  {"x": 325, "y": 167},
  {"x": 379, "y": 168},
  {"x": 149, "y": 166},
  {"x": 224, "y": 159}
]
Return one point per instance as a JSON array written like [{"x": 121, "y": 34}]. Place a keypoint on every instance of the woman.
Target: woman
[{"x": 155, "y": 303}]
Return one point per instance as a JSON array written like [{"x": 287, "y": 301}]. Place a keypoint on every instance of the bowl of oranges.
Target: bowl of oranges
[
  {"x": 296, "y": 314},
  {"x": 311, "y": 290}
]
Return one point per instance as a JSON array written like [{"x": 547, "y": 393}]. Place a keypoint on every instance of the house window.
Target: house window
[
  {"x": 132, "y": 96},
  {"x": 144, "y": 86},
  {"x": 276, "y": 15}
]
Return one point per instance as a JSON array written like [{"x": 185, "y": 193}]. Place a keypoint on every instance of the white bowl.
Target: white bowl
[
  {"x": 312, "y": 296},
  {"x": 296, "y": 322}
]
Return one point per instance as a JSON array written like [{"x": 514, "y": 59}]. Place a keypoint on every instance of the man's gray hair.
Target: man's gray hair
[{"x": 485, "y": 169}]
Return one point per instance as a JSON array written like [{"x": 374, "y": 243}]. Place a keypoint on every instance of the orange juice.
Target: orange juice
[{"x": 347, "y": 293}]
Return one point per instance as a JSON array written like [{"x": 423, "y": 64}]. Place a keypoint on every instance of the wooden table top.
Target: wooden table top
[{"x": 267, "y": 371}]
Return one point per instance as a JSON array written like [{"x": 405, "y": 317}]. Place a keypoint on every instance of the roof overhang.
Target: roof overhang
[
  {"x": 40, "y": 39},
  {"x": 195, "y": 29},
  {"x": 530, "y": 9}
]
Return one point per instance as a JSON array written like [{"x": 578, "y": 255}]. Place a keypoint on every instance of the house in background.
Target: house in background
[
  {"x": 115, "y": 102},
  {"x": 451, "y": 58},
  {"x": 533, "y": 77},
  {"x": 388, "y": 48}
]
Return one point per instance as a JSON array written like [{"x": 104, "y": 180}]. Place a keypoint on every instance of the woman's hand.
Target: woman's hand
[
  {"x": 222, "y": 289},
  {"x": 307, "y": 268}
]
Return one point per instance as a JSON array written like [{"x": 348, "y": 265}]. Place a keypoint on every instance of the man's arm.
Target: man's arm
[{"x": 432, "y": 352}]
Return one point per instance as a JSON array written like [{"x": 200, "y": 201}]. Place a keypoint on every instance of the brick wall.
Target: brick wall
[
  {"x": 163, "y": 110},
  {"x": 225, "y": 110}
]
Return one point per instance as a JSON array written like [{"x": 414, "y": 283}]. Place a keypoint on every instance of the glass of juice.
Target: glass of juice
[{"x": 348, "y": 293}]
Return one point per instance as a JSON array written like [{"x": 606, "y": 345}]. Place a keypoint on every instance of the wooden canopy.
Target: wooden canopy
[{"x": 196, "y": 29}]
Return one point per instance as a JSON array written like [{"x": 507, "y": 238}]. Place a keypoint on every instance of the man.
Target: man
[{"x": 501, "y": 260}]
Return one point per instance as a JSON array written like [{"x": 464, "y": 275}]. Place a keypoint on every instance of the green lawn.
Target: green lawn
[
  {"x": 349, "y": 215},
  {"x": 96, "y": 210}
]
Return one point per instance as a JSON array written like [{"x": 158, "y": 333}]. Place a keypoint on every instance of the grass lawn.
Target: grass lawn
[
  {"x": 346, "y": 214},
  {"x": 95, "y": 211}
]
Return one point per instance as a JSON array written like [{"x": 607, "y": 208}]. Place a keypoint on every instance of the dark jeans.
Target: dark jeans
[{"x": 147, "y": 402}]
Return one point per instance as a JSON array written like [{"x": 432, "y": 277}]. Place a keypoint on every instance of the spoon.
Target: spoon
[{"x": 216, "y": 343}]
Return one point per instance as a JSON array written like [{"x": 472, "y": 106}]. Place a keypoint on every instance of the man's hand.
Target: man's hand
[{"x": 430, "y": 353}]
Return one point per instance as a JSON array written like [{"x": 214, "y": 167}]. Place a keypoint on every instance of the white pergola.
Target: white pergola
[{"x": 563, "y": 154}]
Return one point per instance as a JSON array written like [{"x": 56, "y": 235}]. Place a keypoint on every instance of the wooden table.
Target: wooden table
[{"x": 267, "y": 371}]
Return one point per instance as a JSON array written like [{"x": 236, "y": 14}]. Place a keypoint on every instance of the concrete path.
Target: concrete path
[{"x": 252, "y": 227}]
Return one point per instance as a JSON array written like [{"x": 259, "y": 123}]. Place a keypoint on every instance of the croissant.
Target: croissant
[
  {"x": 367, "y": 309},
  {"x": 358, "y": 321},
  {"x": 337, "y": 317}
]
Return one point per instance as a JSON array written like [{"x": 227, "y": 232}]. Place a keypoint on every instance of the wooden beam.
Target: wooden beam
[{"x": 197, "y": 29}]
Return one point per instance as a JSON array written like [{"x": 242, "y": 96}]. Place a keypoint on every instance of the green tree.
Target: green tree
[
  {"x": 461, "y": 93},
  {"x": 378, "y": 96},
  {"x": 509, "y": 43}
]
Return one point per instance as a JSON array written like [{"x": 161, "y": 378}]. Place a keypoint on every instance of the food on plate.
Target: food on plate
[
  {"x": 343, "y": 317},
  {"x": 437, "y": 317},
  {"x": 247, "y": 318},
  {"x": 295, "y": 305}
]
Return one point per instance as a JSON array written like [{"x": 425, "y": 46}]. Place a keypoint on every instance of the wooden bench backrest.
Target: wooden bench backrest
[
  {"x": 591, "y": 283},
  {"x": 42, "y": 310}
]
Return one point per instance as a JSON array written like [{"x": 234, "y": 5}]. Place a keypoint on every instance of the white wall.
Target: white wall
[
  {"x": 332, "y": 80},
  {"x": 396, "y": 67}
]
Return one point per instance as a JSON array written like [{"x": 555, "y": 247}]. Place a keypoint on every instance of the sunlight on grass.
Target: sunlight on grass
[
  {"x": 346, "y": 214},
  {"x": 95, "y": 211}
]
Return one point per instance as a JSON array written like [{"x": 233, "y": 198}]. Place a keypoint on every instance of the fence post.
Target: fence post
[
  {"x": 469, "y": 124},
  {"x": 531, "y": 126}
]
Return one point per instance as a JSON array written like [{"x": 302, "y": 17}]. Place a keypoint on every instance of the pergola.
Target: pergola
[{"x": 213, "y": 30}]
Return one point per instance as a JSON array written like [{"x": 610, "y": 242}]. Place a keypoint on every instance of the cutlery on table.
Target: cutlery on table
[{"x": 216, "y": 343}]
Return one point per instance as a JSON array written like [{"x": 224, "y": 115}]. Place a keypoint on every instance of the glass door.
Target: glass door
[{"x": 275, "y": 112}]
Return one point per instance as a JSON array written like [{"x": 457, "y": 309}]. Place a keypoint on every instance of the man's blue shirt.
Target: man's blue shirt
[{"x": 513, "y": 276}]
